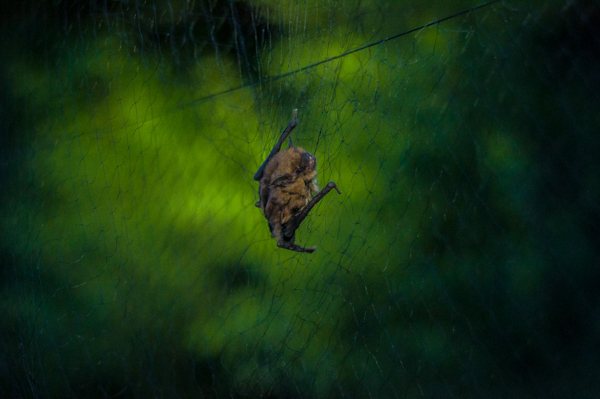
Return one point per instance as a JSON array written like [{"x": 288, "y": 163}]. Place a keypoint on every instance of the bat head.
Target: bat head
[
  {"x": 308, "y": 163},
  {"x": 290, "y": 166}
]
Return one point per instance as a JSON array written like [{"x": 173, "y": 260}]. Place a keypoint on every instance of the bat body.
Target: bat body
[
  {"x": 288, "y": 189},
  {"x": 288, "y": 184}
]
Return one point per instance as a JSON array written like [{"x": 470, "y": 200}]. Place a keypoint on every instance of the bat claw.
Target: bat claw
[
  {"x": 331, "y": 185},
  {"x": 295, "y": 247}
]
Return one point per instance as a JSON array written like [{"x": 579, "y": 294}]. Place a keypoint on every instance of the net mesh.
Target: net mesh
[{"x": 460, "y": 260}]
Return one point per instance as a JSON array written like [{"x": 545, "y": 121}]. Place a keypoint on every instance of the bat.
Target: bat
[{"x": 288, "y": 189}]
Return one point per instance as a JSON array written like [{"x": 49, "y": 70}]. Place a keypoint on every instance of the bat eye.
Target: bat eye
[{"x": 299, "y": 170}]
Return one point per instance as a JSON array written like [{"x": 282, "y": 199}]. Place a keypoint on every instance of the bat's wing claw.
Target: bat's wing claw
[
  {"x": 331, "y": 185},
  {"x": 295, "y": 247}
]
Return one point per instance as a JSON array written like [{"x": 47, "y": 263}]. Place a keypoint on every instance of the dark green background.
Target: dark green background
[{"x": 461, "y": 260}]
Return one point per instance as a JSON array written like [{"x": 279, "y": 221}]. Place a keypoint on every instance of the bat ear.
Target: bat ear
[{"x": 291, "y": 143}]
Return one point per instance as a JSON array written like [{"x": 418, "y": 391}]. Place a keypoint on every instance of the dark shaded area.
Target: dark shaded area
[
  {"x": 177, "y": 33},
  {"x": 222, "y": 29},
  {"x": 546, "y": 341},
  {"x": 569, "y": 195}
]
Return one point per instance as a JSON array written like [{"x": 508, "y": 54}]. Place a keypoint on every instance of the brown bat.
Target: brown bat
[{"x": 288, "y": 189}]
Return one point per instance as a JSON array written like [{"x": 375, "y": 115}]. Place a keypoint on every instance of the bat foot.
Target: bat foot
[{"x": 295, "y": 247}]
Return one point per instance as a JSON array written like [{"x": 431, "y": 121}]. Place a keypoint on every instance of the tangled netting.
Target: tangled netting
[{"x": 460, "y": 260}]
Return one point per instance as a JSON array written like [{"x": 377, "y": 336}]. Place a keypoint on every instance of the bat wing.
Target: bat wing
[
  {"x": 283, "y": 180},
  {"x": 261, "y": 171}
]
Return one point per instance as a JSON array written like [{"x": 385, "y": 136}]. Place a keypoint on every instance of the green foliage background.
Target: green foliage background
[{"x": 461, "y": 259}]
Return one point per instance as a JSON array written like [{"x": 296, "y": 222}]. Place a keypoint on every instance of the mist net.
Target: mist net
[{"x": 460, "y": 260}]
